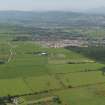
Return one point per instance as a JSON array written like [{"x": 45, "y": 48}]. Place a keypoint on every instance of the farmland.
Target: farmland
[
  {"x": 61, "y": 72},
  {"x": 32, "y": 73}
]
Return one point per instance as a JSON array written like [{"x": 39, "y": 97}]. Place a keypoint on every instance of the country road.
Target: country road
[{"x": 12, "y": 52}]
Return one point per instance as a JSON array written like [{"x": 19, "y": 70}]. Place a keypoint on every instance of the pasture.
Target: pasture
[{"x": 72, "y": 76}]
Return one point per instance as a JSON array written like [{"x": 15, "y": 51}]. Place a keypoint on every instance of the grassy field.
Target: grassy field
[{"x": 28, "y": 71}]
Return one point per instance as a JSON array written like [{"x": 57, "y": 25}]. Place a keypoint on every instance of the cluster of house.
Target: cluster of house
[
  {"x": 64, "y": 43},
  {"x": 74, "y": 42}
]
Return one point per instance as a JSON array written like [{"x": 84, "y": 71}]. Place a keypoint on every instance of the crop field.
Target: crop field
[{"x": 38, "y": 75}]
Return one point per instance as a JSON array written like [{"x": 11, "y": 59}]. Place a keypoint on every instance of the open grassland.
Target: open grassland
[
  {"x": 65, "y": 73},
  {"x": 72, "y": 68},
  {"x": 84, "y": 78},
  {"x": 4, "y": 51},
  {"x": 83, "y": 96}
]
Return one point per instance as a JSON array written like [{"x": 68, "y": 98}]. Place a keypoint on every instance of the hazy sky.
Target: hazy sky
[{"x": 39, "y": 5}]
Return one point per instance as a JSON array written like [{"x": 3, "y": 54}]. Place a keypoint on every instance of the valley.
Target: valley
[{"x": 46, "y": 64}]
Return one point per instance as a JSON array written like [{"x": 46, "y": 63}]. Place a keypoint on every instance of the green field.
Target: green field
[{"x": 26, "y": 70}]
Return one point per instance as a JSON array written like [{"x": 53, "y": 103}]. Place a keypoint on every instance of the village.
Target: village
[
  {"x": 77, "y": 42},
  {"x": 63, "y": 43}
]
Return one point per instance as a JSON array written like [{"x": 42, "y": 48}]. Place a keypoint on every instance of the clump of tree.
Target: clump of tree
[
  {"x": 70, "y": 86},
  {"x": 22, "y": 38},
  {"x": 57, "y": 99}
]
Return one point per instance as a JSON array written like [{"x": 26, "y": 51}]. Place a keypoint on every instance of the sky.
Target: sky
[{"x": 47, "y": 5}]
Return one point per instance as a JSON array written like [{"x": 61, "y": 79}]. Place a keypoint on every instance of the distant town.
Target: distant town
[{"x": 76, "y": 42}]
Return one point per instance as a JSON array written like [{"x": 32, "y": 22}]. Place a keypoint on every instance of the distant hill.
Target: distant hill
[
  {"x": 100, "y": 10},
  {"x": 50, "y": 19},
  {"x": 38, "y": 19}
]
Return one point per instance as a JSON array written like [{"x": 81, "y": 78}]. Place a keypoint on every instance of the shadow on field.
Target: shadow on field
[{"x": 95, "y": 53}]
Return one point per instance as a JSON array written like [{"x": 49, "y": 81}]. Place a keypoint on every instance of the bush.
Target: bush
[{"x": 2, "y": 62}]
